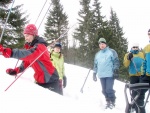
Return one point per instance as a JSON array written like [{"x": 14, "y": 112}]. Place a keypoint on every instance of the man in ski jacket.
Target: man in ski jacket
[
  {"x": 134, "y": 61},
  {"x": 145, "y": 78},
  {"x": 45, "y": 73},
  {"x": 106, "y": 66},
  {"x": 57, "y": 59}
]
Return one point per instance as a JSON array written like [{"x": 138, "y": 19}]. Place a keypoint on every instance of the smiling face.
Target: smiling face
[
  {"x": 28, "y": 38},
  {"x": 57, "y": 49}
]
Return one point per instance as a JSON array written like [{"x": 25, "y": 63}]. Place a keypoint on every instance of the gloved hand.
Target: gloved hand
[
  {"x": 116, "y": 73},
  {"x": 94, "y": 77},
  {"x": 6, "y": 52},
  {"x": 130, "y": 56},
  {"x": 64, "y": 81},
  {"x": 11, "y": 71}
]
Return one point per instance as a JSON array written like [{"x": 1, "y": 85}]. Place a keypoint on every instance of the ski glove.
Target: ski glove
[
  {"x": 6, "y": 52},
  {"x": 130, "y": 56},
  {"x": 94, "y": 77},
  {"x": 64, "y": 81},
  {"x": 116, "y": 73},
  {"x": 11, "y": 71}
]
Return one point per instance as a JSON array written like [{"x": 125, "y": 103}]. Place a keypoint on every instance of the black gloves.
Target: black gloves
[
  {"x": 94, "y": 77},
  {"x": 116, "y": 73},
  {"x": 64, "y": 81},
  {"x": 130, "y": 56}
]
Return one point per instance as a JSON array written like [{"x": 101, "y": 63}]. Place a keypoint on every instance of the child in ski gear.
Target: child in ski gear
[
  {"x": 45, "y": 73},
  {"x": 58, "y": 61},
  {"x": 145, "y": 78},
  {"x": 134, "y": 61},
  {"x": 106, "y": 64}
]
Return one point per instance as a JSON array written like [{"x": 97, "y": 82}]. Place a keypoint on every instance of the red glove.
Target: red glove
[
  {"x": 11, "y": 71},
  {"x": 6, "y": 52}
]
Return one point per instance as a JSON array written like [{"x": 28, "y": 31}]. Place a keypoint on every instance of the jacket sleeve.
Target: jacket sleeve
[
  {"x": 95, "y": 65},
  {"x": 31, "y": 54},
  {"x": 63, "y": 67},
  {"x": 23, "y": 66},
  {"x": 143, "y": 67},
  {"x": 116, "y": 60},
  {"x": 126, "y": 62}
]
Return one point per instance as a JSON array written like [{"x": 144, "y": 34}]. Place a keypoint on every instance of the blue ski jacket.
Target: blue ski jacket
[
  {"x": 105, "y": 62},
  {"x": 135, "y": 65}
]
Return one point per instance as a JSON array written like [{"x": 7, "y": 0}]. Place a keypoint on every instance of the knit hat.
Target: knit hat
[
  {"x": 135, "y": 45},
  {"x": 57, "y": 44},
  {"x": 31, "y": 29},
  {"x": 102, "y": 40}
]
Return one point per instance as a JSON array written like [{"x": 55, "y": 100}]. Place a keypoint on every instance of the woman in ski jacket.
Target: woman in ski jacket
[
  {"x": 57, "y": 59},
  {"x": 45, "y": 73}
]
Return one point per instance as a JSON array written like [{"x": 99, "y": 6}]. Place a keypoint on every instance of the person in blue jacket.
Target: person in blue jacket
[
  {"x": 106, "y": 66},
  {"x": 145, "y": 77}
]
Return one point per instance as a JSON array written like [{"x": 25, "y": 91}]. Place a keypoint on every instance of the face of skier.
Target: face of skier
[
  {"x": 28, "y": 38},
  {"x": 135, "y": 48},
  {"x": 57, "y": 49},
  {"x": 102, "y": 46}
]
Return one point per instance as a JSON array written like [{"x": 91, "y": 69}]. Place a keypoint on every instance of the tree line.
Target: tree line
[{"x": 91, "y": 26}]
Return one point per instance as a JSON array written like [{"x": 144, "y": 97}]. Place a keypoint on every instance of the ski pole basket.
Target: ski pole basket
[{"x": 135, "y": 87}]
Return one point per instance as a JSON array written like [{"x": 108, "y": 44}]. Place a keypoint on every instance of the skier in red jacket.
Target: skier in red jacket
[{"x": 45, "y": 73}]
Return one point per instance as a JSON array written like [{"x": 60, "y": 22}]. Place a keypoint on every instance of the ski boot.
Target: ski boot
[{"x": 110, "y": 105}]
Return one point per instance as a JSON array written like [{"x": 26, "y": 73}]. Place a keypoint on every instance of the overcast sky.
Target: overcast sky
[{"x": 134, "y": 15}]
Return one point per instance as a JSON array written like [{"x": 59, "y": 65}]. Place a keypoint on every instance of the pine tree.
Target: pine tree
[
  {"x": 82, "y": 33},
  {"x": 92, "y": 26},
  {"x": 56, "y": 25},
  {"x": 118, "y": 42},
  {"x": 13, "y": 36}
]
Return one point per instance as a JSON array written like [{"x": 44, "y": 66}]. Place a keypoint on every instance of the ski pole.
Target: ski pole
[
  {"x": 45, "y": 15},
  {"x": 40, "y": 11},
  {"x": 24, "y": 70},
  {"x": 6, "y": 21},
  {"x": 85, "y": 81},
  {"x": 134, "y": 65}
]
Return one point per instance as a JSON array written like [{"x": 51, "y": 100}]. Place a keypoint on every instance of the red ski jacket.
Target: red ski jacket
[{"x": 44, "y": 70}]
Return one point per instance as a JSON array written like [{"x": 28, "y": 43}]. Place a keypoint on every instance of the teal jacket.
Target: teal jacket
[
  {"x": 135, "y": 66},
  {"x": 146, "y": 65},
  {"x": 105, "y": 62}
]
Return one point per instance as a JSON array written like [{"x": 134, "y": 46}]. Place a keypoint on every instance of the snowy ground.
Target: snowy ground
[{"x": 23, "y": 96}]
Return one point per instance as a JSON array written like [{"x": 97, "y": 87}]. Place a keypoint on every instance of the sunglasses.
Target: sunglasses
[
  {"x": 148, "y": 33},
  {"x": 135, "y": 47}
]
